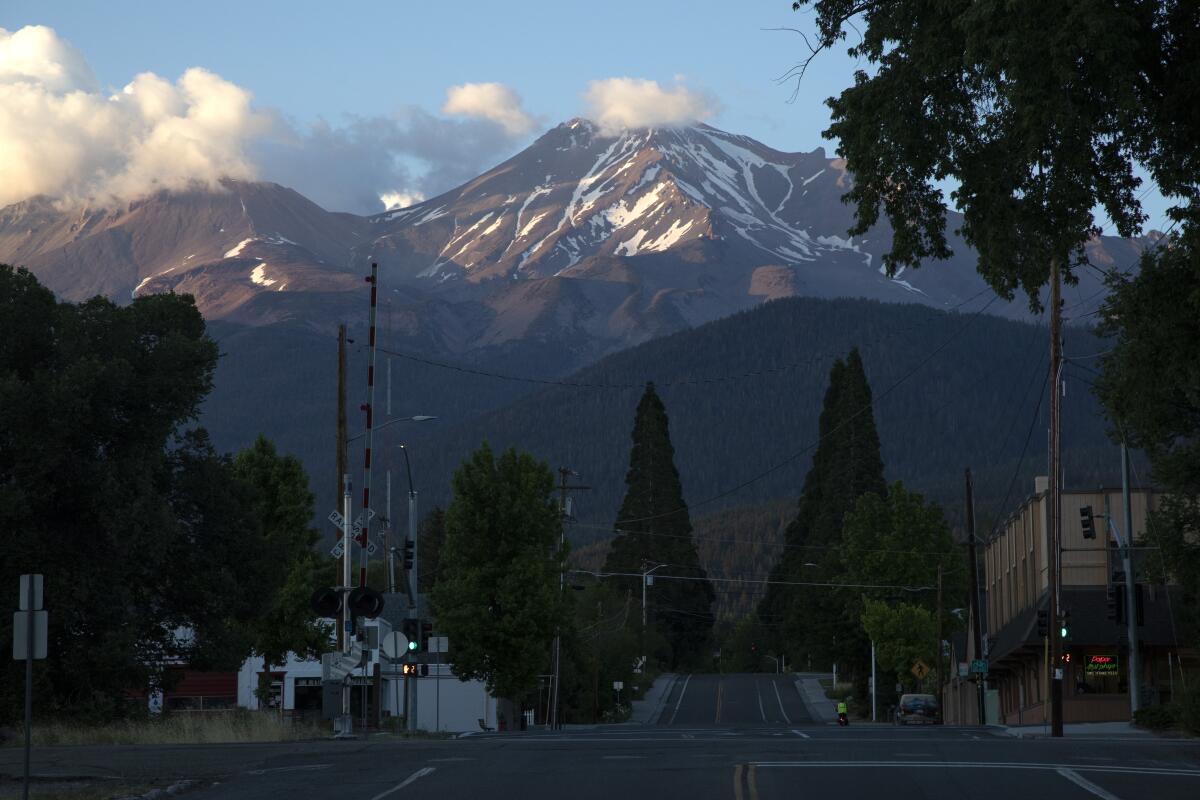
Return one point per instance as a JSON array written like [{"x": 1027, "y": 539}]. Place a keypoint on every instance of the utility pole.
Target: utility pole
[
  {"x": 976, "y": 609},
  {"x": 563, "y": 488},
  {"x": 346, "y": 723},
  {"x": 1053, "y": 506},
  {"x": 937, "y": 653}
]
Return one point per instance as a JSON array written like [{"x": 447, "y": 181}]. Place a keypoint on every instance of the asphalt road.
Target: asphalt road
[{"x": 729, "y": 737}]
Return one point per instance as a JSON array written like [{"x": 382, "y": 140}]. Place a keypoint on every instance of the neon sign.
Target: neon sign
[{"x": 1102, "y": 665}]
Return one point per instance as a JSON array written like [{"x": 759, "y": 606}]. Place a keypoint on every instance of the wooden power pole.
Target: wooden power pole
[
  {"x": 976, "y": 607},
  {"x": 1053, "y": 537}
]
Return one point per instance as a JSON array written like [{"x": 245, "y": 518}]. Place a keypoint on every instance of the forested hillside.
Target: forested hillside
[{"x": 743, "y": 393}]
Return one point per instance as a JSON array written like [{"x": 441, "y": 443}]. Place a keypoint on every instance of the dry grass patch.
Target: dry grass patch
[{"x": 178, "y": 728}]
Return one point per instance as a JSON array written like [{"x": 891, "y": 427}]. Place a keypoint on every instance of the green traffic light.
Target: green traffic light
[
  {"x": 412, "y": 645},
  {"x": 1063, "y": 632}
]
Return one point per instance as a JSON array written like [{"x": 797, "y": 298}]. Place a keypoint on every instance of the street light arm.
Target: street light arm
[
  {"x": 408, "y": 468},
  {"x": 393, "y": 421}
]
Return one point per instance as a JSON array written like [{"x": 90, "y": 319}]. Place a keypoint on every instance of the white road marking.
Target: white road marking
[
  {"x": 680, "y": 700},
  {"x": 761, "y": 711},
  {"x": 1083, "y": 783},
  {"x": 1181, "y": 772},
  {"x": 300, "y": 768},
  {"x": 613, "y": 758},
  {"x": 801, "y": 734},
  {"x": 451, "y": 759},
  {"x": 421, "y": 773},
  {"x": 775, "y": 686}
]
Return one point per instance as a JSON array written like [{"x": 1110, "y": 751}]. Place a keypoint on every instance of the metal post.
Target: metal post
[
  {"x": 345, "y": 724},
  {"x": 976, "y": 607},
  {"x": 1130, "y": 588},
  {"x": 437, "y": 698},
  {"x": 874, "y": 687},
  {"x": 31, "y": 613},
  {"x": 387, "y": 538}
]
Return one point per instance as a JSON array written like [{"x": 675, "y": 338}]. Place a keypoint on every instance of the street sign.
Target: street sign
[
  {"x": 336, "y": 518},
  {"x": 38, "y": 582},
  {"x": 618, "y": 685},
  {"x": 979, "y": 666},
  {"x": 920, "y": 669},
  {"x": 338, "y": 549},
  {"x": 439, "y": 644},
  {"x": 962, "y": 669},
  {"x": 21, "y": 622}
]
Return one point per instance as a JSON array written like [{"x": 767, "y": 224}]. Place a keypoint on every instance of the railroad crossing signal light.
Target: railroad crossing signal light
[
  {"x": 327, "y": 603},
  {"x": 365, "y": 602},
  {"x": 1043, "y": 623},
  {"x": 1088, "y": 522},
  {"x": 409, "y": 554}
]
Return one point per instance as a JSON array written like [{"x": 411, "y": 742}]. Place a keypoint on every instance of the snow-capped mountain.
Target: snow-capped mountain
[{"x": 586, "y": 240}]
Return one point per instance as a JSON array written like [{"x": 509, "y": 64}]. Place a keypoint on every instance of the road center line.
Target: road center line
[
  {"x": 720, "y": 691},
  {"x": 801, "y": 734},
  {"x": 737, "y": 783},
  {"x": 752, "y": 781},
  {"x": 680, "y": 700},
  {"x": 421, "y": 773},
  {"x": 779, "y": 699},
  {"x": 1083, "y": 783},
  {"x": 761, "y": 711}
]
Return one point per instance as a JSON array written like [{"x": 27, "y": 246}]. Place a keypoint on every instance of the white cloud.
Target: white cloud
[
  {"x": 619, "y": 103},
  {"x": 396, "y": 200},
  {"x": 60, "y": 136},
  {"x": 493, "y": 101}
]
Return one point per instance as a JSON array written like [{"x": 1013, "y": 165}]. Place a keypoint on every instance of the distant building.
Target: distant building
[{"x": 1096, "y": 651}]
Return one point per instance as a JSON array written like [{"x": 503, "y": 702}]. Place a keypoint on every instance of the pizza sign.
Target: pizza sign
[{"x": 1102, "y": 665}]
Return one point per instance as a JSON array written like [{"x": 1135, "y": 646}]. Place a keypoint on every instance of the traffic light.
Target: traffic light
[
  {"x": 327, "y": 603},
  {"x": 365, "y": 602},
  {"x": 409, "y": 669},
  {"x": 753, "y": 647},
  {"x": 409, "y": 554},
  {"x": 1065, "y": 626},
  {"x": 426, "y": 632},
  {"x": 1043, "y": 623},
  {"x": 1110, "y": 603},
  {"x": 1088, "y": 522},
  {"x": 411, "y": 629}
]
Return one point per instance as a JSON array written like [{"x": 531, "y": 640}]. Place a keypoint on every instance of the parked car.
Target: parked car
[{"x": 922, "y": 708}]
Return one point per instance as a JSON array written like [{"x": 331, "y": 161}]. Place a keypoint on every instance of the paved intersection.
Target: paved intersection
[{"x": 729, "y": 737}]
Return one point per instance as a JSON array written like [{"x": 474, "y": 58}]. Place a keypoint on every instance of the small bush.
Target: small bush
[
  {"x": 1157, "y": 718},
  {"x": 1189, "y": 711},
  {"x": 176, "y": 728}
]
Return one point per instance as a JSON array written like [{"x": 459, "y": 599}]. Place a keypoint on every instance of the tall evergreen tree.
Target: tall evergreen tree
[
  {"x": 845, "y": 466},
  {"x": 653, "y": 527}
]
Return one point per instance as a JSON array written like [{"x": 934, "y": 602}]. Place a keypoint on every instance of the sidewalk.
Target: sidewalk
[
  {"x": 647, "y": 710},
  {"x": 1075, "y": 729},
  {"x": 820, "y": 707}
]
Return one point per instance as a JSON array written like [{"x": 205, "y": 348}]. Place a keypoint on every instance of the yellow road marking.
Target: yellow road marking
[
  {"x": 752, "y": 781},
  {"x": 720, "y": 691},
  {"x": 737, "y": 782}
]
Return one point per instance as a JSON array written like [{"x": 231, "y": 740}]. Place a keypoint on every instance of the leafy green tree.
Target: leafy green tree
[
  {"x": 282, "y": 511},
  {"x": 653, "y": 527},
  {"x": 497, "y": 596},
  {"x": 1150, "y": 388},
  {"x": 810, "y": 620},
  {"x": 602, "y": 646},
  {"x": 431, "y": 535},
  {"x": 135, "y": 522},
  {"x": 1039, "y": 112},
  {"x": 900, "y": 541},
  {"x": 903, "y": 634}
]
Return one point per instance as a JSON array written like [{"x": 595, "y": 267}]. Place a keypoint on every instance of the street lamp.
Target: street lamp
[{"x": 393, "y": 421}]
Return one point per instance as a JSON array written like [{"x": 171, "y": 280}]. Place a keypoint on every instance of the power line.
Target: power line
[{"x": 763, "y": 581}]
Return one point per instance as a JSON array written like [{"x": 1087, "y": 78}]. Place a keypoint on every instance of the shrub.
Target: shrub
[
  {"x": 1157, "y": 718},
  {"x": 1189, "y": 711}
]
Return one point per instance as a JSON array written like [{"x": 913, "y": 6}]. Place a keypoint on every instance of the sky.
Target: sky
[{"x": 352, "y": 102}]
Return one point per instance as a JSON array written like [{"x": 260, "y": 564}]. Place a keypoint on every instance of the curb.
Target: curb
[{"x": 656, "y": 715}]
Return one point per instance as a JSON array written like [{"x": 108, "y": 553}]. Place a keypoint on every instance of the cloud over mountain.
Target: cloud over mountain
[
  {"x": 493, "y": 101},
  {"x": 619, "y": 103}
]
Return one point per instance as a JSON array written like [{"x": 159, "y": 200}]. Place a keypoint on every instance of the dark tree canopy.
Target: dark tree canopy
[
  {"x": 653, "y": 527},
  {"x": 846, "y": 465},
  {"x": 1039, "y": 111}
]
